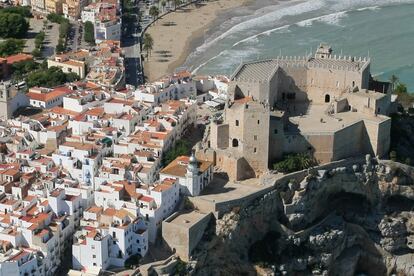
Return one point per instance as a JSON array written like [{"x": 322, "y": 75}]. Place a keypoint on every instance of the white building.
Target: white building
[
  {"x": 81, "y": 160},
  {"x": 96, "y": 247},
  {"x": 108, "y": 30},
  {"x": 47, "y": 98},
  {"x": 192, "y": 174}
]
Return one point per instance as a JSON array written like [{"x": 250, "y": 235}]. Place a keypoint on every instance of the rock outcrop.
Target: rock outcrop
[{"x": 342, "y": 221}]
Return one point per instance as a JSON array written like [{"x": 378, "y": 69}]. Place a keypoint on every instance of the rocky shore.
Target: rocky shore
[{"x": 353, "y": 220}]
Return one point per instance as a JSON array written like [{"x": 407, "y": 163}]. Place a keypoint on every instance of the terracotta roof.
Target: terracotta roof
[
  {"x": 94, "y": 209},
  {"x": 98, "y": 111},
  {"x": 178, "y": 167},
  {"x": 18, "y": 58},
  {"x": 109, "y": 212},
  {"x": 44, "y": 97},
  {"x": 146, "y": 198}
]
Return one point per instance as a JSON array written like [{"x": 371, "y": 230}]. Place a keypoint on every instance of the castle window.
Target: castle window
[
  {"x": 327, "y": 98},
  {"x": 255, "y": 137},
  {"x": 258, "y": 122},
  {"x": 254, "y": 150},
  {"x": 237, "y": 122},
  {"x": 235, "y": 143},
  {"x": 353, "y": 83}
]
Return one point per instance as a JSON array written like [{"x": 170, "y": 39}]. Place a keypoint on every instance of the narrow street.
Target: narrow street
[{"x": 131, "y": 46}]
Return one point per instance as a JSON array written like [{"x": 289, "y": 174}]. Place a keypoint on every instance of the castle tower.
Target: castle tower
[{"x": 323, "y": 51}]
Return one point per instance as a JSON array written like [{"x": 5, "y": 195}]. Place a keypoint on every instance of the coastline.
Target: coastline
[{"x": 190, "y": 25}]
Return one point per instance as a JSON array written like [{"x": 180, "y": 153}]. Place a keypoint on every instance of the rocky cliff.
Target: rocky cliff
[{"x": 348, "y": 220}]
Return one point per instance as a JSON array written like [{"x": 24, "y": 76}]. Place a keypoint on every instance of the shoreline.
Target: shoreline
[{"x": 169, "y": 53}]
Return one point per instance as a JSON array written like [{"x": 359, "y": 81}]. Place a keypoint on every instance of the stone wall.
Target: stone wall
[{"x": 308, "y": 211}]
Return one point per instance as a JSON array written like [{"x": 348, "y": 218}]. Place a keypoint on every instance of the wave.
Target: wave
[
  {"x": 284, "y": 15},
  {"x": 338, "y": 8},
  {"x": 267, "y": 32},
  {"x": 331, "y": 19},
  {"x": 289, "y": 9},
  {"x": 373, "y": 8}
]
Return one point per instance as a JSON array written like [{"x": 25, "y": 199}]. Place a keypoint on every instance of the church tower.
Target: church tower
[{"x": 192, "y": 175}]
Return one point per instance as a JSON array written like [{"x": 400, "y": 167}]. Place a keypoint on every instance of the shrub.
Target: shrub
[
  {"x": 295, "y": 162},
  {"x": 181, "y": 147}
]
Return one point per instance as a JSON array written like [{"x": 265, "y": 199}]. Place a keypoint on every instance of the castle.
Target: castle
[{"x": 326, "y": 105}]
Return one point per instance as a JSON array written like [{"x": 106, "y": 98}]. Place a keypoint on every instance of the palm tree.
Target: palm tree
[
  {"x": 148, "y": 43},
  {"x": 154, "y": 12},
  {"x": 394, "y": 80},
  {"x": 176, "y": 3}
]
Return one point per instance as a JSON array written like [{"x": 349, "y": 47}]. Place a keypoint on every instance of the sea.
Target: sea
[{"x": 380, "y": 29}]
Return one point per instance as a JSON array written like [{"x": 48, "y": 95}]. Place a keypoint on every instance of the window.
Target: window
[
  {"x": 94, "y": 264},
  {"x": 275, "y": 131},
  {"x": 235, "y": 143},
  {"x": 258, "y": 122},
  {"x": 93, "y": 246},
  {"x": 255, "y": 137},
  {"x": 327, "y": 98},
  {"x": 94, "y": 256},
  {"x": 237, "y": 122},
  {"x": 254, "y": 150}
]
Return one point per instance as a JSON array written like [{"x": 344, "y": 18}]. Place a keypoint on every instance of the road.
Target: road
[{"x": 131, "y": 47}]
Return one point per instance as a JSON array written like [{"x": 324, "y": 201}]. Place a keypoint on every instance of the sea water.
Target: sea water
[{"x": 381, "y": 30}]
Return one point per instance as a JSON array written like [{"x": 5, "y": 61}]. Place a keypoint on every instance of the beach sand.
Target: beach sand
[{"x": 174, "y": 33}]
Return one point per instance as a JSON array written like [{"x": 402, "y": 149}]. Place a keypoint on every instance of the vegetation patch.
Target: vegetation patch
[
  {"x": 50, "y": 77},
  {"x": 181, "y": 147},
  {"x": 64, "y": 27},
  {"x": 295, "y": 162},
  {"x": 11, "y": 46}
]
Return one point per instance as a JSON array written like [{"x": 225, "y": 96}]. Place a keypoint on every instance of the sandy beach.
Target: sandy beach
[{"x": 174, "y": 33}]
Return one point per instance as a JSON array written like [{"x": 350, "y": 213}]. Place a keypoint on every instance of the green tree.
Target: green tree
[
  {"x": 23, "y": 11},
  {"x": 401, "y": 88},
  {"x": 163, "y": 4},
  {"x": 148, "y": 43},
  {"x": 13, "y": 25},
  {"x": 55, "y": 18},
  {"x": 39, "y": 38},
  {"x": 50, "y": 77},
  {"x": 11, "y": 46},
  {"x": 21, "y": 69},
  {"x": 154, "y": 12},
  {"x": 89, "y": 34},
  {"x": 36, "y": 53},
  {"x": 60, "y": 47}
]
